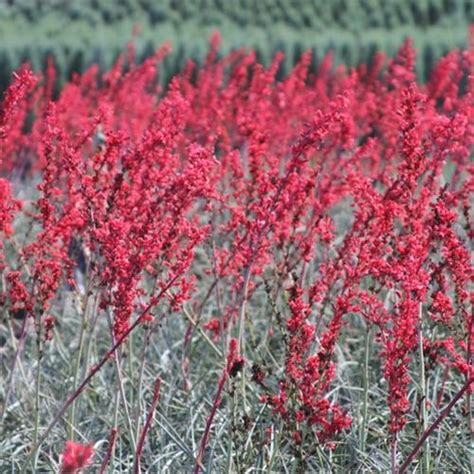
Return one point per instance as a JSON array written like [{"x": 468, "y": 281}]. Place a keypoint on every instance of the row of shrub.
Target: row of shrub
[
  {"x": 354, "y": 15},
  {"x": 77, "y": 34}
]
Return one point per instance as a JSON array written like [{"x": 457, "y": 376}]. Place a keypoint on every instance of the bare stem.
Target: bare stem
[
  {"x": 424, "y": 414},
  {"x": 435, "y": 424},
  {"x": 242, "y": 310},
  {"x": 78, "y": 361},
  {"x": 118, "y": 370},
  {"x": 37, "y": 384},
  {"x": 393, "y": 457},
  {"x": 92, "y": 372},
  {"x": 15, "y": 360},
  {"x": 210, "y": 418},
  {"x": 78, "y": 391},
  {"x": 195, "y": 325},
  {"x": 87, "y": 355},
  {"x": 108, "y": 455},
  {"x": 140, "y": 381},
  {"x": 146, "y": 427},
  {"x": 363, "y": 431},
  {"x": 242, "y": 324},
  {"x": 470, "y": 419}
]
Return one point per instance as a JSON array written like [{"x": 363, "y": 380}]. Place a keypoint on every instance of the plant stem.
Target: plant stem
[
  {"x": 78, "y": 362},
  {"x": 241, "y": 328},
  {"x": 195, "y": 324},
  {"x": 435, "y": 424},
  {"x": 37, "y": 384},
  {"x": 15, "y": 360},
  {"x": 242, "y": 310},
  {"x": 146, "y": 427},
  {"x": 232, "y": 429},
  {"x": 79, "y": 390},
  {"x": 424, "y": 414},
  {"x": 116, "y": 412},
  {"x": 93, "y": 371},
  {"x": 365, "y": 382},
  {"x": 140, "y": 382},
  {"x": 440, "y": 395},
  {"x": 470, "y": 419},
  {"x": 94, "y": 318},
  {"x": 118, "y": 370},
  {"x": 131, "y": 394},
  {"x": 207, "y": 429},
  {"x": 110, "y": 449},
  {"x": 393, "y": 456}
]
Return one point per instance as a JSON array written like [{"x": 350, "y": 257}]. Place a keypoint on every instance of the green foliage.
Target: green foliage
[{"x": 79, "y": 32}]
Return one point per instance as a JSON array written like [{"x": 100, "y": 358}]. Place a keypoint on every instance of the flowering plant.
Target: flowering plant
[{"x": 303, "y": 242}]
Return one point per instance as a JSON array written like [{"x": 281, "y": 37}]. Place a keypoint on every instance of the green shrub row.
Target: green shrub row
[
  {"x": 352, "y": 15},
  {"x": 80, "y": 32}
]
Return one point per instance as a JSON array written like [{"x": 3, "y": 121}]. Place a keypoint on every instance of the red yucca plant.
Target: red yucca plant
[{"x": 284, "y": 215}]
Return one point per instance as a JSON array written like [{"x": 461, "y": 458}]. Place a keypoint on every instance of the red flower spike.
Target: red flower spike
[{"x": 75, "y": 457}]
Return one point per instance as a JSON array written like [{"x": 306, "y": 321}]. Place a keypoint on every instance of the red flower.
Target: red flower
[{"x": 75, "y": 457}]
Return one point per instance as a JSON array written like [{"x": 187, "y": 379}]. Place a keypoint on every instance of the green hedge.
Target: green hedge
[{"x": 78, "y": 32}]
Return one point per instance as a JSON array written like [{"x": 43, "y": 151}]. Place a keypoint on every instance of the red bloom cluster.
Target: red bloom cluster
[
  {"x": 75, "y": 457},
  {"x": 302, "y": 395},
  {"x": 8, "y": 207},
  {"x": 348, "y": 190}
]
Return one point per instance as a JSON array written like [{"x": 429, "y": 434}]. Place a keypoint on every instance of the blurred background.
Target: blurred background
[{"x": 80, "y": 32}]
